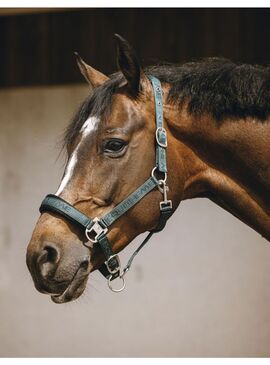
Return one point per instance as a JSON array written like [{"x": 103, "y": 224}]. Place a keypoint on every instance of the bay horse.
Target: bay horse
[{"x": 216, "y": 125}]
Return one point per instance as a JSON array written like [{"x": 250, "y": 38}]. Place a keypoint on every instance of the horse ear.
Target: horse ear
[
  {"x": 128, "y": 63},
  {"x": 92, "y": 76}
]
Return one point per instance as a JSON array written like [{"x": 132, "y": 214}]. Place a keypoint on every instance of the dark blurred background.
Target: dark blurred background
[{"x": 37, "y": 48}]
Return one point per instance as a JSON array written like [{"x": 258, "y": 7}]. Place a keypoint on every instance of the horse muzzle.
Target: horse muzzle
[{"x": 60, "y": 270}]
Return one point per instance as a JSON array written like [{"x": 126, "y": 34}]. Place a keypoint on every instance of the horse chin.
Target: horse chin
[{"x": 74, "y": 289}]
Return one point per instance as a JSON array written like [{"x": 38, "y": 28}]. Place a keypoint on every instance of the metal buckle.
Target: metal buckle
[
  {"x": 165, "y": 205},
  {"x": 96, "y": 230},
  {"x": 107, "y": 263},
  {"x": 160, "y": 143}
]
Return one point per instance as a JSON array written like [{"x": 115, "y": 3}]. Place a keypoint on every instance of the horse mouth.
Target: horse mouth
[{"x": 75, "y": 288}]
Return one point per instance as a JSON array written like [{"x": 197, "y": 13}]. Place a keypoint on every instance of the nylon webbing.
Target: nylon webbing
[
  {"x": 54, "y": 204},
  {"x": 130, "y": 201},
  {"x": 161, "y": 137}
]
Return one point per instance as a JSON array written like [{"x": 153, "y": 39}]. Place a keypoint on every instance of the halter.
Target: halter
[{"x": 96, "y": 229}]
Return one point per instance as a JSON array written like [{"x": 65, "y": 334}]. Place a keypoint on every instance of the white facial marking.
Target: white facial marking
[
  {"x": 89, "y": 125},
  {"x": 69, "y": 172}
]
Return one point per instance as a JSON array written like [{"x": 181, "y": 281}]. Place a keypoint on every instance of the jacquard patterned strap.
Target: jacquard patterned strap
[
  {"x": 161, "y": 136},
  {"x": 54, "y": 204},
  {"x": 130, "y": 201},
  {"x": 105, "y": 245}
]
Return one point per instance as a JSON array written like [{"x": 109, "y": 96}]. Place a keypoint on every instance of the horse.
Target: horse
[{"x": 216, "y": 125}]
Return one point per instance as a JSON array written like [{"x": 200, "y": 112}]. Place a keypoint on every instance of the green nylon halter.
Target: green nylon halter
[{"x": 96, "y": 229}]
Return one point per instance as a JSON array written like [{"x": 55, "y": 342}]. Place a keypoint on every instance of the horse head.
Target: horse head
[{"x": 111, "y": 152}]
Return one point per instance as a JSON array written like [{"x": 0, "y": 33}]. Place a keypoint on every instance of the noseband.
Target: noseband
[{"x": 96, "y": 229}]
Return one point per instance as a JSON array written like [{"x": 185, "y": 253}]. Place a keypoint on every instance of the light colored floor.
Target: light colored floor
[{"x": 200, "y": 288}]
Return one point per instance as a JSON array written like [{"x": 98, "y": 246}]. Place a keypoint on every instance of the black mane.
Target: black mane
[{"x": 214, "y": 86}]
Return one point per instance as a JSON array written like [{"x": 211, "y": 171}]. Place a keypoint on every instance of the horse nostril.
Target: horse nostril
[
  {"x": 84, "y": 264},
  {"x": 52, "y": 254},
  {"x": 47, "y": 260}
]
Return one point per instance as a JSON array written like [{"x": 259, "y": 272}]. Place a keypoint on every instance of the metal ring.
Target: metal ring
[
  {"x": 113, "y": 289},
  {"x": 159, "y": 180}
]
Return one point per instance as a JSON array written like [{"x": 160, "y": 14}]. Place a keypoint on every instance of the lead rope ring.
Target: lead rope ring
[{"x": 121, "y": 277}]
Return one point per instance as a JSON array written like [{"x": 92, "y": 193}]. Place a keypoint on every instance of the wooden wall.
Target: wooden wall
[{"x": 37, "y": 49}]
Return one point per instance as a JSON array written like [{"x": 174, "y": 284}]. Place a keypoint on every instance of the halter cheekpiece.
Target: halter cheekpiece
[{"x": 96, "y": 229}]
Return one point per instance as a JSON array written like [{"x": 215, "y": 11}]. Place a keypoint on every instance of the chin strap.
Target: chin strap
[{"x": 96, "y": 229}]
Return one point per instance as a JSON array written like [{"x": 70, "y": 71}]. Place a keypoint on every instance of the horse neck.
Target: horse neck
[{"x": 220, "y": 161}]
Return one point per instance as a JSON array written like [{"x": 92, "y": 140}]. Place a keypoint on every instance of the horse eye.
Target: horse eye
[{"x": 114, "y": 145}]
